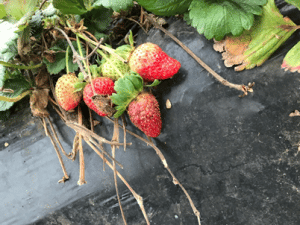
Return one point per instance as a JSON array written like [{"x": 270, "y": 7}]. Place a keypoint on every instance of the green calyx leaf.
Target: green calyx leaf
[
  {"x": 127, "y": 88},
  {"x": 291, "y": 61},
  {"x": 154, "y": 83},
  {"x": 255, "y": 46},
  {"x": 70, "y": 6},
  {"x": 79, "y": 86},
  {"x": 215, "y": 18},
  {"x": 166, "y": 7},
  {"x": 115, "y": 5}
]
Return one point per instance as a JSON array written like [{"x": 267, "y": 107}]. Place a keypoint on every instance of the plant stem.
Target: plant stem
[
  {"x": 18, "y": 98},
  {"x": 67, "y": 60},
  {"x": 80, "y": 51},
  {"x": 20, "y": 67},
  {"x": 239, "y": 87}
]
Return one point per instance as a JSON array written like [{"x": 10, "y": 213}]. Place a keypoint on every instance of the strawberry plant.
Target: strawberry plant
[{"x": 54, "y": 53}]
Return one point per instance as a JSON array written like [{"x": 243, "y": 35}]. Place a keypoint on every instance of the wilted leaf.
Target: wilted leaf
[
  {"x": 255, "y": 46},
  {"x": 291, "y": 61},
  {"x": 39, "y": 102},
  {"x": 42, "y": 79}
]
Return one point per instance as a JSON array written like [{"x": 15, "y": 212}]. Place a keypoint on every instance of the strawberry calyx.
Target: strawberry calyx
[{"x": 128, "y": 87}]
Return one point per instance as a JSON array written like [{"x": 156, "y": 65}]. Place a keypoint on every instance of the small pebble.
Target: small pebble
[{"x": 168, "y": 104}]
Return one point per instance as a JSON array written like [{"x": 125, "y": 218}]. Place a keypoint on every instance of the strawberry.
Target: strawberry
[
  {"x": 67, "y": 98},
  {"x": 144, "y": 113},
  {"x": 109, "y": 68},
  {"x": 151, "y": 62},
  {"x": 102, "y": 86}
]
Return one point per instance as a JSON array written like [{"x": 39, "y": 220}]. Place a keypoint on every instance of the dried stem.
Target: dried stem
[
  {"x": 77, "y": 57},
  {"x": 65, "y": 177},
  {"x": 124, "y": 130},
  {"x": 164, "y": 162},
  {"x": 241, "y": 87},
  {"x": 57, "y": 139},
  {"x": 42, "y": 4},
  {"x": 91, "y": 120},
  {"x": 138, "y": 198},
  {"x": 81, "y": 180},
  {"x": 105, "y": 48},
  {"x": 86, "y": 132},
  {"x": 113, "y": 149}
]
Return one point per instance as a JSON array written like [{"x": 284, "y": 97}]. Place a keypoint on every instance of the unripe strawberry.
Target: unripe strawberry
[
  {"x": 102, "y": 86},
  {"x": 67, "y": 98},
  {"x": 144, "y": 113},
  {"x": 151, "y": 62},
  {"x": 109, "y": 68}
]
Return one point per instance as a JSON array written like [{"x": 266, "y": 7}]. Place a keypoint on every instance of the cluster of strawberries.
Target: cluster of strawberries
[{"x": 147, "y": 62}]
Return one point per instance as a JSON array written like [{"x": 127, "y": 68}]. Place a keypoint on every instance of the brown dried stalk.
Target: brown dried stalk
[
  {"x": 81, "y": 180},
  {"x": 241, "y": 87},
  {"x": 47, "y": 132},
  {"x": 138, "y": 198},
  {"x": 164, "y": 162},
  {"x": 113, "y": 149}
]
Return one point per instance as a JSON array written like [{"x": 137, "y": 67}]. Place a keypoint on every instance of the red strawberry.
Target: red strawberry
[
  {"x": 102, "y": 86},
  {"x": 151, "y": 62},
  {"x": 64, "y": 90},
  {"x": 144, "y": 113}
]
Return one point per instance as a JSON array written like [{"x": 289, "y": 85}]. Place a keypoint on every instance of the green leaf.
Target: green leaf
[
  {"x": 2, "y": 11},
  {"x": 8, "y": 46},
  {"x": 70, "y": 6},
  {"x": 255, "y": 46},
  {"x": 98, "y": 19},
  {"x": 166, "y": 7},
  {"x": 215, "y": 18},
  {"x": 115, "y": 5},
  {"x": 294, "y": 2},
  {"x": 18, "y": 8},
  {"x": 154, "y": 83},
  {"x": 127, "y": 88},
  {"x": 291, "y": 61},
  {"x": 19, "y": 86},
  {"x": 60, "y": 59}
]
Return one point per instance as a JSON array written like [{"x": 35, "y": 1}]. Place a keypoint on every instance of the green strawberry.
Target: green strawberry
[
  {"x": 112, "y": 66},
  {"x": 67, "y": 98}
]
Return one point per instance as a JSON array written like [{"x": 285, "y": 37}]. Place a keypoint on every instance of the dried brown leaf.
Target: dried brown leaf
[
  {"x": 38, "y": 102},
  {"x": 103, "y": 103}
]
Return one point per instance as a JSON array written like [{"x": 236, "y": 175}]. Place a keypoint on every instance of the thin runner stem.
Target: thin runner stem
[
  {"x": 113, "y": 149},
  {"x": 241, "y": 87},
  {"x": 164, "y": 162}
]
